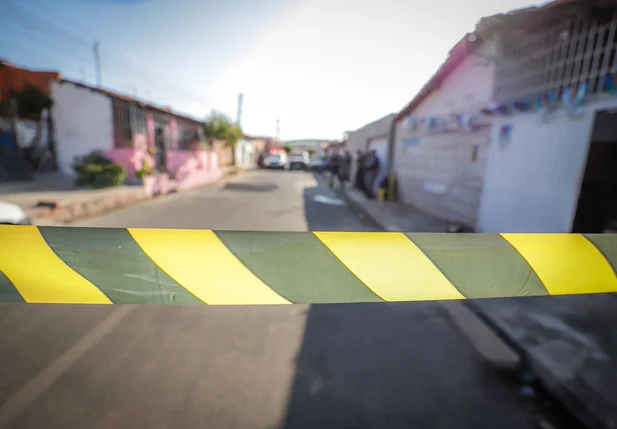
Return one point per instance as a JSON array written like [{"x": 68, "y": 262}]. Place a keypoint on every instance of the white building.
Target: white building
[
  {"x": 82, "y": 120},
  {"x": 245, "y": 154},
  {"x": 517, "y": 131},
  {"x": 440, "y": 148},
  {"x": 552, "y": 164}
]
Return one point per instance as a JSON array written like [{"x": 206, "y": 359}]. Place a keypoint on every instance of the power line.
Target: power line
[
  {"x": 23, "y": 33},
  {"x": 54, "y": 30},
  {"x": 44, "y": 23},
  {"x": 51, "y": 56}
]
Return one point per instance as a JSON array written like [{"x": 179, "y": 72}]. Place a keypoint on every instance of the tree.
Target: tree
[
  {"x": 287, "y": 149},
  {"x": 31, "y": 102},
  {"x": 219, "y": 126}
]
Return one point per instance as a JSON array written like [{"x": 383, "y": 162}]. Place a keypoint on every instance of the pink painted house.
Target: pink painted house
[{"x": 139, "y": 136}]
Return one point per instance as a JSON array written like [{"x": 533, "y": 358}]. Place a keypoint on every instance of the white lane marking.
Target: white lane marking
[
  {"x": 33, "y": 388},
  {"x": 328, "y": 200}
]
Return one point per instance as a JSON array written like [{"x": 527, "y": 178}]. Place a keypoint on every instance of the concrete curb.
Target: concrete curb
[
  {"x": 546, "y": 376},
  {"x": 110, "y": 201},
  {"x": 353, "y": 204},
  {"x": 97, "y": 205}
]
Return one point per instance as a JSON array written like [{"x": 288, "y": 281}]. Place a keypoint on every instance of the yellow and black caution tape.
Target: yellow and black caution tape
[{"x": 165, "y": 266}]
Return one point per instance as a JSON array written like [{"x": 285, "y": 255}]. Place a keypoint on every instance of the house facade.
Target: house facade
[
  {"x": 441, "y": 138},
  {"x": 552, "y": 161},
  {"x": 139, "y": 136}
]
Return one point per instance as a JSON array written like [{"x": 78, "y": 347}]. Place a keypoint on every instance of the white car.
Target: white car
[
  {"x": 277, "y": 160},
  {"x": 318, "y": 163},
  {"x": 12, "y": 214},
  {"x": 299, "y": 161}
]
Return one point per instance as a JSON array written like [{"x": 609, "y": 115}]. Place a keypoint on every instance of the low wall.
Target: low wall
[{"x": 189, "y": 169}]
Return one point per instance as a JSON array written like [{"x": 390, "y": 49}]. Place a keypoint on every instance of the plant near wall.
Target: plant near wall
[
  {"x": 287, "y": 148},
  {"x": 31, "y": 102},
  {"x": 97, "y": 171},
  {"x": 219, "y": 126},
  {"x": 145, "y": 170}
]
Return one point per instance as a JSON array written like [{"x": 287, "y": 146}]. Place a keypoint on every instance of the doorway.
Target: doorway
[{"x": 596, "y": 210}]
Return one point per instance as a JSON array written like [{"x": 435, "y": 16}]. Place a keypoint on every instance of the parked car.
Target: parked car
[
  {"x": 318, "y": 163},
  {"x": 276, "y": 160},
  {"x": 299, "y": 161},
  {"x": 12, "y": 214}
]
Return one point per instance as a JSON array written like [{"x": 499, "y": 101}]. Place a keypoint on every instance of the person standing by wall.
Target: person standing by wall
[
  {"x": 371, "y": 165},
  {"x": 334, "y": 167},
  {"x": 359, "y": 179},
  {"x": 345, "y": 172}
]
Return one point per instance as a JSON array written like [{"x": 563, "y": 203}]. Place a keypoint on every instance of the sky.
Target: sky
[{"x": 321, "y": 67}]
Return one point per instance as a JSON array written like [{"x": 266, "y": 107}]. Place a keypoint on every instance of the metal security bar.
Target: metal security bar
[
  {"x": 548, "y": 51},
  {"x": 165, "y": 266}
]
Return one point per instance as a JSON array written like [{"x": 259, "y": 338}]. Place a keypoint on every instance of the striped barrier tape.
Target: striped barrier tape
[{"x": 150, "y": 266}]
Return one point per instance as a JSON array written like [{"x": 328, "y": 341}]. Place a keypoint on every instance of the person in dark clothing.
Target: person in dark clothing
[
  {"x": 371, "y": 165},
  {"x": 359, "y": 179},
  {"x": 345, "y": 167},
  {"x": 334, "y": 167},
  {"x": 160, "y": 154}
]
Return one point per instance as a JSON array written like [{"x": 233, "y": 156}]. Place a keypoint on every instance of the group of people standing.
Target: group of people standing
[
  {"x": 339, "y": 167},
  {"x": 367, "y": 165}
]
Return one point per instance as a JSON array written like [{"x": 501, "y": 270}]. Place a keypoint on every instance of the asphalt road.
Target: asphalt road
[{"x": 327, "y": 366}]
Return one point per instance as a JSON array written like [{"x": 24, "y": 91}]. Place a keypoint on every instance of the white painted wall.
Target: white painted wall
[
  {"x": 437, "y": 174},
  {"x": 245, "y": 154},
  {"x": 532, "y": 184},
  {"x": 82, "y": 122}
]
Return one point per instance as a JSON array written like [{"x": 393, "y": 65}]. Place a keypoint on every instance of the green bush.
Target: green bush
[{"x": 97, "y": 171}]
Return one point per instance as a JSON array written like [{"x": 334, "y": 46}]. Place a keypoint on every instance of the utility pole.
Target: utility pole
[
  {"x": 278, "y": 131},
  {"x": 239, "y": 116},
  {"x": 97, "y": 64}
]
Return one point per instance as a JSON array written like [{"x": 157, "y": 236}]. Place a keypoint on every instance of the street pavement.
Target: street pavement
[{"x": 390, "y": 365}]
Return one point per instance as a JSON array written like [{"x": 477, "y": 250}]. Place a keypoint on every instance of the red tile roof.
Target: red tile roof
[{"x": 16, "y": 79}]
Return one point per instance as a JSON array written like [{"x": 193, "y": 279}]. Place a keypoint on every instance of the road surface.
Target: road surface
[{"x": 328, "y": 366}]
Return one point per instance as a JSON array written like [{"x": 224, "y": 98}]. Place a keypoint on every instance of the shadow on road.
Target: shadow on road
[
  {"x": 324, "y": 210},
  {"x": 248, "y": 186},
  {"x": 395, "y": 365}
]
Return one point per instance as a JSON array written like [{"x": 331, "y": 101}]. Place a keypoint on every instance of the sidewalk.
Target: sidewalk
[
  {"x": 64, "y": 206},
  {"x": 53, "y": 199},
  {"x": 392, "y": 216},
  {"x": 568, "y": 342}
]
